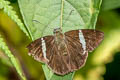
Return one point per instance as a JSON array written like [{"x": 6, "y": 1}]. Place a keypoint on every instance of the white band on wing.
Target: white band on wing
[
  {"x": 43, "y": 48},
  {"x": 82, "y": 41}
]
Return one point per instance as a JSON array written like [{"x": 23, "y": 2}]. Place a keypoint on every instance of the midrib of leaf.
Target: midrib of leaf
[
  {"x": 61, "y": 17},
  {"x": 13, "y": 60}
]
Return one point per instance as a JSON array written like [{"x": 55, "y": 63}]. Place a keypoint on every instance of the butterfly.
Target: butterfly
[{"x": 65, "y": 52}]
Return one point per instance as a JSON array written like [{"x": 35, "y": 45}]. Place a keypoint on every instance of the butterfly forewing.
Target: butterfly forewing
[
  {"x": 92, "y": 37},
  {"x": 37, "y": 50}
]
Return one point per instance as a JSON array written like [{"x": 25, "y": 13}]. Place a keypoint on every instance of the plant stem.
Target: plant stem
[{"x": 61, "y": 17}]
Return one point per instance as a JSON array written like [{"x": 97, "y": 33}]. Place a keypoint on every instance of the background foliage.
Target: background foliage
[{"x": 102, "y": 64}]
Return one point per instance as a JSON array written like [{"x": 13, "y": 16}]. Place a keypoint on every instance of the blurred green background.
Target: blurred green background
[{"x": 102, "y": 64}]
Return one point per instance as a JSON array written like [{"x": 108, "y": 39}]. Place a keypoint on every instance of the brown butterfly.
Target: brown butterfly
[{"x": 65, "y": 52}]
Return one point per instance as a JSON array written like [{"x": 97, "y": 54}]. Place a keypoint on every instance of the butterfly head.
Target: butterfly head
[{"x": 57, "y": 30}]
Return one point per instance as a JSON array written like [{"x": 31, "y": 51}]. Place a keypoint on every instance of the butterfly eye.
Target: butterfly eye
[{"x": 57, "y": 30}]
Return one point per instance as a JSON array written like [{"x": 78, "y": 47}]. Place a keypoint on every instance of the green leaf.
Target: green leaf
[
  {"x": 1, "y": 6},
  {"x": 110, "y": 4},
  {"x": 42, "y": 16},
  {"x": 12, "y": 14},
  {"x": 50, "y": 76},
  {"x": 13, "y": 60}
]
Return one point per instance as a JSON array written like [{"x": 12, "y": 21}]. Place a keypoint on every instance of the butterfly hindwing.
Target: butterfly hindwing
[{"x": 57, "y": 64}]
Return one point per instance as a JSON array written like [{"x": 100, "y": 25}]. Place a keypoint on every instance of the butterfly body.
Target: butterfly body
[
  {"x": 65, "y": 52},
  {"x": 60, "y": 41}
]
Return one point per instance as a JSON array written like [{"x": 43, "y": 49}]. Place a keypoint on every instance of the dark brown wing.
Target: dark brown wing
[
  {"x": 57, "y": 63},
  {"x": 77, "y": 59},
  {"x": 35, "y": 48},
  {"x": 92, "y": 37},
  {"x": 63, "y": 64},
  {"x": 76, "y": 52},
  {"x": 54, "y": 60}
]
